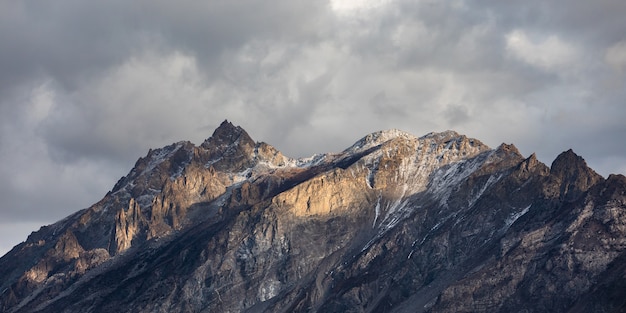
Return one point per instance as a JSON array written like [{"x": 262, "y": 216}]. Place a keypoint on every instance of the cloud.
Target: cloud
[
  {"x": 35, "y": 187},
  {"x": 616, "y": 56},
  {"x": 550, "y": 53},
  {"x": 149, "y": 98},
  {"x": 350, "y": 7},
  {"x": 86, "y": 88}
]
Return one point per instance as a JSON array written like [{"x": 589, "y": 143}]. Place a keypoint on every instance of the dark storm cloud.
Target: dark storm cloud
[
  {"x": 87, "y": 87},
  {"x": 65, "y": 39},
  {"x": 597, "y": 21},
  {"x": 70, "y": 39},
  {"x": 77, "y": 45}
]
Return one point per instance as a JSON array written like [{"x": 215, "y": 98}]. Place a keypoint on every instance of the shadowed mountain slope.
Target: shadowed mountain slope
[{"x": 394, "y": 223}]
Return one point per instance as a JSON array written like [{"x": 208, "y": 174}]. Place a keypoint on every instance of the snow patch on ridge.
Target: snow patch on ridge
[
  {"x": 145, "y": 200},
  {"x": 313, "y": 160},
  {"x": 372, "y": 169},
  {"x": 377, "y": 211},
  {"x": 160, "y": 155},
  {"x": 514, "y": 217},
  {"x": 492, "y": 180},
  {"x": 444, "y": 179},
  {"x": 441, "y": 136},
  {"x": 268, "y": 289},
  {"x": 378, "y": 138}
]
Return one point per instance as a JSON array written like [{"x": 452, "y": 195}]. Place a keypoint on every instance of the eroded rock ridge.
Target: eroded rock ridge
[{"x": 394, "y": 223}]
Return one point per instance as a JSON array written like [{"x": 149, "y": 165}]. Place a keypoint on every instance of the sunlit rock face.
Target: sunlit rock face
[{"x": 394, "y": 223}]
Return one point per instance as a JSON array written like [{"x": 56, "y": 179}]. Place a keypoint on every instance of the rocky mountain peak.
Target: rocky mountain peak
[
  {"x": 531, "y": 163},
  {"x": 378, "y": 138},
  {"x": 574, "y": 175},
  {"x": 442, "y": 136},
  {"x": 509, "y": 149},
  {"x": 566, "y": 159},
  {"x": 452, "y": 139},
  {"x": 395, "y": 223},
  {"x": 230, "y": 147},
  {"x": 149, "y": 171},
  {"x": 227, "y": 135}
]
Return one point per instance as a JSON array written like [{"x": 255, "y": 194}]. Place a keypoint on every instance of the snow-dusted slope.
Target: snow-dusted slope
[{"x": 395, "y": 222}]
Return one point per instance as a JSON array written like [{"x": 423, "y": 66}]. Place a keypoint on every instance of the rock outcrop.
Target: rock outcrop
[{"x": 394, "y": 223}]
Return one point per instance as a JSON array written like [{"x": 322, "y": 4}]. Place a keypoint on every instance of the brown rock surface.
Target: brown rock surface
[{"x": 395, "y": 223}]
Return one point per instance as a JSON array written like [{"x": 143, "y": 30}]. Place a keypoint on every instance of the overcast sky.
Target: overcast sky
[{"x": 87, "y": 87}]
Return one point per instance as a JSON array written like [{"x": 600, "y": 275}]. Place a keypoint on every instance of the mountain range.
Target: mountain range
[{"x": 394, "y": 223}]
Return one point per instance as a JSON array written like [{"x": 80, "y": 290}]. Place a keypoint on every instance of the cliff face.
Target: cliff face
[{"x": 439, "y": 223}]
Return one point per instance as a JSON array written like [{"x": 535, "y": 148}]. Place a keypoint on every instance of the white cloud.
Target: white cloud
[
  {"x": 37, "y": 187},
  {"x": 353, "y": 7},
  {"x": 41, "y": 104},
  {"x": 147, "y": 100},
  {"x": 549, "y": 53},
  {"x": 616, "y": 56}
]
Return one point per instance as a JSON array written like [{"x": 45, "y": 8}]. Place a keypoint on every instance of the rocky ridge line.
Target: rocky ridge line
[{"x": 438, "y": 223}]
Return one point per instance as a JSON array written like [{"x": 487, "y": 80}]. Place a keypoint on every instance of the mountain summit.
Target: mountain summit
[{"x": 394, "y": 223}]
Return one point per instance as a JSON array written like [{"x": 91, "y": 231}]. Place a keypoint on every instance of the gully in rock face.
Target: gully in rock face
[{"x": 394, "y": 223}]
